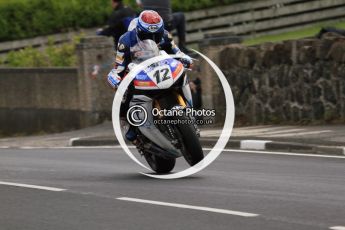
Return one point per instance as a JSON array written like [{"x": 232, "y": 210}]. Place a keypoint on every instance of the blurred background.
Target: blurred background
[{"x": 284, "y": 60}]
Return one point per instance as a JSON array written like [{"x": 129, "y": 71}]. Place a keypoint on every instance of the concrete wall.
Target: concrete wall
[
  {"x": 34, "y": 100},
  {"x": 290, "y": 82}
]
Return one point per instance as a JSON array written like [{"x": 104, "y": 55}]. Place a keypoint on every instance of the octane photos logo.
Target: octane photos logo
[
  {"x": 215, "y": 151},
  {"x": 137, "y": 116}
]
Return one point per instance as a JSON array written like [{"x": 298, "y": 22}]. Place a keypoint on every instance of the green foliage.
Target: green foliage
[
  {"x": 24, "y": 19},
  {"x": 63, "y": 55},
  {"x": 297, "y": 34},
  {"x": 28, "y": 57}
]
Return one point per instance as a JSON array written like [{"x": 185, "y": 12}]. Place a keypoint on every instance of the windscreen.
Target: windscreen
[{"x": 143, "y": 51}]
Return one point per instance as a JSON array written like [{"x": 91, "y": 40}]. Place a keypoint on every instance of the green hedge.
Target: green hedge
[
  {"x": 51, "y": 56},
  {"x": 29, "y": 18}
]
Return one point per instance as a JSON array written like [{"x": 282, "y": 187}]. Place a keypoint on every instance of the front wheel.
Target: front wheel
[
  {"x": 190, "y": 145},
  {"x": 159, "y": 164}
]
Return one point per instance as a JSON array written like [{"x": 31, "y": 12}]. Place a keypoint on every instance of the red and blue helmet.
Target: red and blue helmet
[{"x": 150, "y": 26}]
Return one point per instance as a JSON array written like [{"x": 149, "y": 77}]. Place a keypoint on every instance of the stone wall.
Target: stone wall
[
  {"x": 299, "y": 81},
  {"x": 95, "y": 60}
]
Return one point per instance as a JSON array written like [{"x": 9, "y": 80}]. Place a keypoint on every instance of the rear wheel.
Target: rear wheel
[
  {"x": 191, "y": 147},
  {"x": 159, "y": 164}
]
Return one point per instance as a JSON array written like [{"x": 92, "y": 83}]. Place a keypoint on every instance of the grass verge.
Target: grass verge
[{"x": 297, "y": 34}]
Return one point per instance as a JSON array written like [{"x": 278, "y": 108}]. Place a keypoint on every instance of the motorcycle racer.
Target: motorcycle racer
[{"x": 149, "y": 26}]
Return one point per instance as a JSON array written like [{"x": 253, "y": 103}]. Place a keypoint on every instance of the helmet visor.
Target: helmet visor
[{"x": 156, "y": 37}]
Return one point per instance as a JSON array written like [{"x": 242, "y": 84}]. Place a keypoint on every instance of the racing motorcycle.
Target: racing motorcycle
[{"x": 163, "y": 86}]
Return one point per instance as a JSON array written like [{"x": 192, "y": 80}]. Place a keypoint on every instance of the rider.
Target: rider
[
  {"x": 172, "y": 20},
  {"x": 149, "y": 25}
]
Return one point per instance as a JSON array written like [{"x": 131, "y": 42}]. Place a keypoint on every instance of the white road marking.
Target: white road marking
[
  {"x": 281, "y": 153},
  {"x": 223, "y": 211},
  {"x": 29, "y": 147},
  {"x": 207, "y": 149},
  {"x": 337, "y": 228},
  {"x": 69, "y": 147},
  {"x": 253, "y": 144},
  {"x": 33, "y": 186}
]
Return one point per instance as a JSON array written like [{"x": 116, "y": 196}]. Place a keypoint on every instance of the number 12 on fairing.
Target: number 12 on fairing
[{"x": 162, "y": 75}]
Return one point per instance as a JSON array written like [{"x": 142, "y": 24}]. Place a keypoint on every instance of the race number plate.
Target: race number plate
[{"x": 162, "y": 76}]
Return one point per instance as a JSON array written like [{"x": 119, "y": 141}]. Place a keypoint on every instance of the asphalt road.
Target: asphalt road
[{"x": 284, "y": 192}]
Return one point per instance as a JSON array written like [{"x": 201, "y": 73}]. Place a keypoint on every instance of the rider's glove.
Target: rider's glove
[
  {"x": 114, "y": 79},
  {"x": 187, "y": 61}
]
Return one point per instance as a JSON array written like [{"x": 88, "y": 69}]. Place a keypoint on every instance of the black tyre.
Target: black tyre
[
  {"x": 191, "y": 147},
  {"x": 159, "y": 164}
]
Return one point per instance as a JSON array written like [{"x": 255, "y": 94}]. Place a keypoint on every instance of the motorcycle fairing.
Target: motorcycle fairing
[
  {"x": 161, "y": 77},
  {"x": 150, "y": 131}
]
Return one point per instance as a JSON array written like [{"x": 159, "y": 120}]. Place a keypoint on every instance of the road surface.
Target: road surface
[{"x": 100, "y": 188}]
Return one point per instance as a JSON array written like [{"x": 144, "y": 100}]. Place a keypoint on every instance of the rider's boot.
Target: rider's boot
[{"x": 131, "y": 134}]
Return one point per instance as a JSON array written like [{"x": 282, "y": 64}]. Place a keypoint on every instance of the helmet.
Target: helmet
[{"x": 150, "y": 26}]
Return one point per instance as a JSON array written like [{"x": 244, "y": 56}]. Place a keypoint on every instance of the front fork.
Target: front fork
[
  {"x": 182, "y": 103},
  {"x": 187, "y": 93},
  {"x": 185, "y": 100}
]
